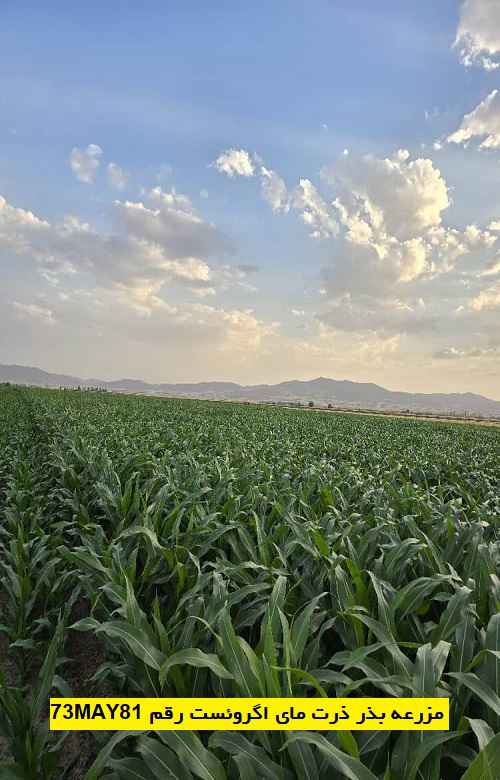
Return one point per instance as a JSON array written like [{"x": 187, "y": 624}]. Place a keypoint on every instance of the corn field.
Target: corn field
[{"x": 161, "y": 547}]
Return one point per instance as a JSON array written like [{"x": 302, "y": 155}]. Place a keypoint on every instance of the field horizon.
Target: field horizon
[{"x": 321, "y": 390}]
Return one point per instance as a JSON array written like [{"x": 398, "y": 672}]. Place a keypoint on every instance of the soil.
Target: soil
[{"x": 86, "y": 653}]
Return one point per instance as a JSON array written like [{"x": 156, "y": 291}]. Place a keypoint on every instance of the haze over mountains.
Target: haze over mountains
[{"x": 321, "y": 391}]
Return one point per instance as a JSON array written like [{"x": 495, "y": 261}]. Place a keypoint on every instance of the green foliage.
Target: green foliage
[{"x": 229, "y": 550}]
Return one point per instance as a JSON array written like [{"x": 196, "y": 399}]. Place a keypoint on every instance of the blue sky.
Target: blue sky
[{"x": 162, "y": 90}]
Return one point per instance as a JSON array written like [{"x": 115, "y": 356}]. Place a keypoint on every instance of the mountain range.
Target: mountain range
[{"x": 321, "y": 391}]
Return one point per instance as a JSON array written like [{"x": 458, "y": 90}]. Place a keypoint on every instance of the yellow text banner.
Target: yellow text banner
[{"x": 249, "y": 714}]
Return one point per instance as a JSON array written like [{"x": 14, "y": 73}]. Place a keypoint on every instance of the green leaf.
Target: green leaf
[
  {"x": 463, "y": 649},
  {"x": 194, "y": 657},
  {"x": 386, "y": 638},
  {"x": 235, "y": 743},
  {"x": 85, "y": 624},
  {"x": 131, "y": 769},
  {"x": 452, "y": 616},
  {"x": 303, "y": 760},
  {"x": 305, "y": 676},
  {"x": 482, "y": 730},
  {"x": 480, "y": 688},
  {"x": 300, "y": 630},
  {"x": 486, "y": 766},
  {"x": 429, "y": 741},
  {"x": 101, "y": 761},
  {"x": 137, "y": 641},
  {"x": 162, "y": 761},
  {"x": 348, "y": 766},
  {"x": 47, "y": 672},
  {"x": 190, "y": 750},
  {"x": 276, "y": 603},
  {"x": 410, "y": 597},
  {"x": 235, "y": 657},
  {"x": 492, "y": 661}
]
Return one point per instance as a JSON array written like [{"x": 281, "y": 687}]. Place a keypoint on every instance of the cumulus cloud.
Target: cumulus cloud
[
  {"x": 118, "y": 287},
  {"x": 169, "y": 221},
  {"x": 390, "y": 213},
  {"x": 384, "y": 267},
  {"x": 478, "y": 34},
  {"x": 489, "y": 298},
  {"x": 396, "y": 196},
  {"x": 315, "y": 212},
  {"x": 305, "y": 198},
  {"x": 385, "y": 245},
  {"x": 117, "y": 176},
  {"x": 161, "y": 241},
  {"x": 243, "y": 330},
  {"x": 483, "y": 122},
  {"x": 274, "y": 190},
  {"x": 235, "y": 162},
  {"x": 85, "y": 162}
]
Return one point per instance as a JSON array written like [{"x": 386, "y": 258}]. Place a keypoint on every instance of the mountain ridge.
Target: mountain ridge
[{"x": 322, "y": 390}]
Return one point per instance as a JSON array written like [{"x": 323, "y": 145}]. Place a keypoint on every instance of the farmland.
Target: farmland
[{"x": 186, "y": 548}]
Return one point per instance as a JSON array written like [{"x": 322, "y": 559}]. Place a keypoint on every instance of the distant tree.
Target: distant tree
[
  {"x": 311, "y": 404},
  {"x": 329, "y": 406}
]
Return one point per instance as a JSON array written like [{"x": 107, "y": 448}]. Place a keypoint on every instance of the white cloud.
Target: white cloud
[
  {"x": 203, "y": 292},
  {"x": 244, "y": 331},
  {"x": 170, "y": 221},
  {"x": 204, "y": 194},
  {"x": 315, "y": 212},
  {"x": 125, "y": 314},
  {"x": 389, "y": 248},
  {"x": 458, "y": 353},
  {"x": 85, "y": 162},
  {"x": 449, "y": 353},
  {"x": 235, "y": 162},
  {"x": 483, "y": 122},
  {"x": 366, "y": 313},
  {"x": 117, "y": 177},
  {"x": 274, "y": 190},
  {"x": 164, "y": 241},
  {"x": 492, "y": 269},
  {"x": 390, "y": 211},
  {"x": 377, "y": 350},
  {"x": 396, "y": 196},
  {"x": 34, "y": 311},
  {"x": 489, "y": 298},
  {"x": 478, "y": 34}
]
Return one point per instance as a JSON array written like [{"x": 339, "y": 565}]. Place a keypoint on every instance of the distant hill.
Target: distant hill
[{"x": 321, "y": 391}]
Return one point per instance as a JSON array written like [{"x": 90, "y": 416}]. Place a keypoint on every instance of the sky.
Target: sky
[{"x": 252, "y": 192}]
